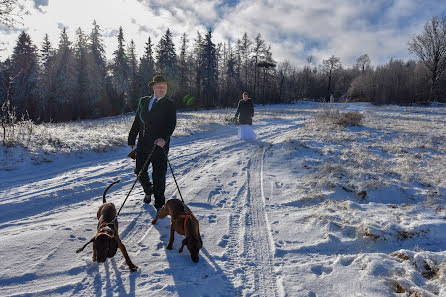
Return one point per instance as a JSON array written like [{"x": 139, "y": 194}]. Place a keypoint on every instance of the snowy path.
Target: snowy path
[{"x": 46, "y": 215}]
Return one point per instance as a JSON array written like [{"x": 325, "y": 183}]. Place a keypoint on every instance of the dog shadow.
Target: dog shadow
[{"x": 205, "y": 278}]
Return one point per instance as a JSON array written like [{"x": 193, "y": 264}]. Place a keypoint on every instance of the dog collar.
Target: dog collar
[{"x": 109, "y": 229}]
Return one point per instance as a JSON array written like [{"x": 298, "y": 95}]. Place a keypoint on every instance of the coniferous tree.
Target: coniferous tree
[
  {"x": 134, "y": 76},
  {"x": 97, "y": 71},
  {"x": 197, "y": 56},
  {"x": 63, "y": 91},
  {"x": 97, "y": 48},
  {"x": 25, "y": 70},
  {"x": 209, "y": 70},
  {"x": 238, "y": 63},
  {"x": 267, "y": 64},
  {"x": 245, "y": 49},
  {"x": 4, "y": 74},
  {"x": 146, "y": 69},
  {"x": 121, "y": 74},
  {"x": 222, "y": 58},
  {"x": 82, "y": 101},
  {"x": 183, "y": 69},
  {"x": 259, "y": 53},
  {"x": 166, "y": 58},
  {"x": 46, "y": 83}
]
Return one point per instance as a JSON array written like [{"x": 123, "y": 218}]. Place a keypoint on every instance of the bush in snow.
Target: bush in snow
[{"x": 334, "y": 116}]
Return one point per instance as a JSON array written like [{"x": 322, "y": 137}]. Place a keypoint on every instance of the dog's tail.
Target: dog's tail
[{"x": 105, "y": 192}]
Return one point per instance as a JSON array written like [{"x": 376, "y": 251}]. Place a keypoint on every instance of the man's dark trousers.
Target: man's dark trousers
[{"x": 159, "y": 170}]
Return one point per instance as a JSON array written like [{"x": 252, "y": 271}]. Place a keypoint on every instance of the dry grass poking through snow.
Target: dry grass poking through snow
[
  {"x": 398, "y": 149},
  {"x": 334, "y": 116},
  {"x": 383, "y": 184},
  {"x": 44, "y": 142}
]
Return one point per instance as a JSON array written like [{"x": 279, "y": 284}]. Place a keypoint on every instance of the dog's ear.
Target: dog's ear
[{"x": 82, "y": 248}]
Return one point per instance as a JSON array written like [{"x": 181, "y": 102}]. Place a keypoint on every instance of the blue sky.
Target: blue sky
[{"x": 294, "y": 28}]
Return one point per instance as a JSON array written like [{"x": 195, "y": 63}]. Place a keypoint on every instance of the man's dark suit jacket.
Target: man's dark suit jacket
[{"x": 159, "y": 122}]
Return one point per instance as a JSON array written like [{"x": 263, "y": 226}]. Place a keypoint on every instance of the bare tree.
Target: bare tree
[
  {"x": 329, "y": 67},
  {"x": 363, "y": 62},
  {"x": 430, "y": 47},
  {"x": 11, "y": 12}
]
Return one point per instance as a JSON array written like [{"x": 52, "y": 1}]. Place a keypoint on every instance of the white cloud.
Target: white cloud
[{"x": 295, "y": 29}]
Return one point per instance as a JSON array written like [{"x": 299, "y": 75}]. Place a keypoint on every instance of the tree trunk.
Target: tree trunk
[
  {"x": 280, "y": 89},
  {"x": 329, "y": 85}
]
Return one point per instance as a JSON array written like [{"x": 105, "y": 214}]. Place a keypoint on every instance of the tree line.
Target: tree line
[{"x": 74, "y": 80}]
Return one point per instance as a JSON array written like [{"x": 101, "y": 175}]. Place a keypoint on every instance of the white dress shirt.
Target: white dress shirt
[{"x": 153, "y": 101}]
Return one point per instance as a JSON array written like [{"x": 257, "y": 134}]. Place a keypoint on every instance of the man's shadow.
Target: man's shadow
[{"x": 205, "y": 278}]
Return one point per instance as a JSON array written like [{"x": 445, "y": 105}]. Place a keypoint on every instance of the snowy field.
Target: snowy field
[{"x": 308, "y": 209}]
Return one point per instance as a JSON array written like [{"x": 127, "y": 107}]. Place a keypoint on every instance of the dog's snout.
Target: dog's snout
[{"x": 195, "y": 258}]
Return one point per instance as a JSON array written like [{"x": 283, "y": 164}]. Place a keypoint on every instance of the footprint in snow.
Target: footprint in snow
[
  {"x": 320, "y": 270},
  {"x": 212, "y": 219},
  {"x": 224, "y": 241},
  {"x": 345, "y": 261}
]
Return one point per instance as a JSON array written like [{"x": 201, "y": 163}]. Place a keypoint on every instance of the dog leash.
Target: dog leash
[
  {"x": 173, "y": 175},
  {"x": 137, "y": 177}
]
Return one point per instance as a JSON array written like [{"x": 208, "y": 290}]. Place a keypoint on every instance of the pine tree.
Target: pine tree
[
  {"x": 231, "y": 76},
  {"x": 46, "y": 83},
  {"x": 166, "y": 58},
  {"x": 97, "y": 71},
  {"x": 97, "y": 48},
  {"x": 245, "y": 49},
  {"x": 121, "y": 74},
  {"x": 134, "y": 76},
  {"x": 146, "y": 69},
  {"x": 258, "y": 50},
  {"x": 25, "y": 70},
  {"x": 197, "y": 61},
  {"x": 63, "y": 92},
  {"x": 209, "y": 70},
  {"x": 183, "y": 69},
  {"x": 266, "y": 64},
  {"x": 82, "y": 101}
]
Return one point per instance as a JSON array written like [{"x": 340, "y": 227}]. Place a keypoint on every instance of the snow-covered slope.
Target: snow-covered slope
[{"x": 305, "y": 210}]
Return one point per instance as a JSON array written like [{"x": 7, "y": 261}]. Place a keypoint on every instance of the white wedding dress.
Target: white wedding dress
[{"x": 245, "y": 132}]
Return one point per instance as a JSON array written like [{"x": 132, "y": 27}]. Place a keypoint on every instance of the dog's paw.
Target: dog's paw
[
  {"x": 169, "y": 247},
  {"x": 134, "y": 268},
  {"x": 154, "y": 221}
]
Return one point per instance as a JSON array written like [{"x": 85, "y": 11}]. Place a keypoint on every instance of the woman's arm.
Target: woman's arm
[{"x": 238, "y": 110}]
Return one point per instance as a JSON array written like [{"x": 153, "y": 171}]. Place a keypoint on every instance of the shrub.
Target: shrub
[{"x": 333, "y": 116}]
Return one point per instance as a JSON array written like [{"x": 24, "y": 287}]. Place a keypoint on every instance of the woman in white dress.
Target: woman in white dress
[{"x": 245, "y": 112}]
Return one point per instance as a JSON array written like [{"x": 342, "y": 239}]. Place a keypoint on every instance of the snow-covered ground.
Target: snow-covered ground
[{"x": 308, "y": 209}]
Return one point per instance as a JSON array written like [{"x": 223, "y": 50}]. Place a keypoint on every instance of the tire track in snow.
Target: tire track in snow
[
  {"x": 258, "y": 231},
  {"x": 250, "y": 246}
]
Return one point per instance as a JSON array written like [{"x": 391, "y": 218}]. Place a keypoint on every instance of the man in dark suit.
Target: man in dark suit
[{"x": 155, "y": 121}]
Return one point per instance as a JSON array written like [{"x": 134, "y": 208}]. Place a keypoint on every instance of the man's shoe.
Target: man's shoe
[{"x": 147, "y": 198}]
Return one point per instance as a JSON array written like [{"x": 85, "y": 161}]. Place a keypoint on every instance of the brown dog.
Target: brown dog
[
  {"x": 183, "y": 221},
  {"x": 107, "y": 241}
]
